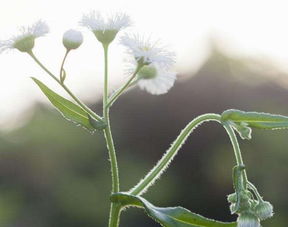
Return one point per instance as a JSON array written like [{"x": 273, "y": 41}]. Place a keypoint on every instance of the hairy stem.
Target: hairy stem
[
  {"x": 123, "y": 88},
  {"x": 115, "y": 208},
  {"x": 163, "y": 163},
  {"x": 237, "y": 151}
]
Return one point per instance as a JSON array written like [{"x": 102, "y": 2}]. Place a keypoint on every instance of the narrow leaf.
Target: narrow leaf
[
  {"x": 69, "y": 110},
  {"x": 170, "y": 216},
  {"x": 255, "y": 119}
]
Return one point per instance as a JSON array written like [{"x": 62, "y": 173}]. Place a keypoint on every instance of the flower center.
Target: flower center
[{"x": 147, "y": 72}]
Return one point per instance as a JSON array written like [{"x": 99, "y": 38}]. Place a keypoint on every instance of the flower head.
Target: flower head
[
  {"x": 24, "y": 41},
  {"x": 105, "y": 29},
  {"x": 248, "y": 220},
  {"x": 72, "y": 39},
  {"x": 155, "y": 80},
  {"x": 146, "y": 52}
]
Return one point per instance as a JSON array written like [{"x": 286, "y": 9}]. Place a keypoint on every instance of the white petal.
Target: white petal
[
  {"x": 40, "y": 28},
  {"x": 96, "y": 22},
  {"x": 149, "y": 51},
  {"x": 73, "y": 36},
  {"x": 159, "y": 85},
  {"x": 5, "y": 45}
]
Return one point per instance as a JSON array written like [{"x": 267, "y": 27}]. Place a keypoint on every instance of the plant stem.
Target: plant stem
[
  {"x": 80, "y": 103},
  {"x": 62, "y": 66},
  {"x": 115, "y": 208},
  {"x": 236, "y": 149},
  {"x": 163, "y": 163},
  {"x": 254, "y": 189},
  {"x": 124, "y": 87}
]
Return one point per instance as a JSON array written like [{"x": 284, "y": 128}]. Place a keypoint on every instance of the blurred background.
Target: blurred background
[{"x": 230, "y": 54}]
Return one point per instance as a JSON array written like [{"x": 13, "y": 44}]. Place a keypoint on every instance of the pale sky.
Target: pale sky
[{"x": 245, "y": 27}]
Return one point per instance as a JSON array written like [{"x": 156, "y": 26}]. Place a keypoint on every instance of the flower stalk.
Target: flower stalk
[
  {"x": 237, "y": 151},
  {"x": 78, "y": 101},
  {"x": 115, "y": 208},
  {"x": 164, "y": 162},
  {"x": 121, "y": 90}
]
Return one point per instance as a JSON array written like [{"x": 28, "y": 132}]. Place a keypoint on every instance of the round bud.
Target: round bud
[
  {"x": 248, "y": 220},
  {"x": 264, "y": 210},
  {"x": 232, "y": 198},
  {"x": 147, "y": 72},
  {"x": 72, "y": 39},
  {"x": 25, "y": 44}
]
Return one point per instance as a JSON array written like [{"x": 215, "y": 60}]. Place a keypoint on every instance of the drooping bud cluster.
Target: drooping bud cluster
[{"x": 246, "y": 201}]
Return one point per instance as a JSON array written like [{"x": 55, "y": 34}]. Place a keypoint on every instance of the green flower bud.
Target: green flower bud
[
  {"x": 147, "y": 72},
  {"x": 233, "y": 208},
  {"x": 232, "y": 198},
  {"x": 264, "y": 210},
  {"x": 248, "y": 220},
  {"x": 25, "y": 44},
  {"x": 72, "y": 39}
]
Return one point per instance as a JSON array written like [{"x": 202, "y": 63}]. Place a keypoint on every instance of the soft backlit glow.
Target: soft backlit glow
[{"x": 253, "y": 28}]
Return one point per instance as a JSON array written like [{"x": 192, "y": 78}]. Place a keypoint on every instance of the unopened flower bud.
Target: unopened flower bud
[
  {"x": 264, "y": 210},
  {"x": 233, "y": 208},
  {"x": 232, "y": 198},
  {"x": 72, "y": 39},
  {"x": 248, "y": 220}
]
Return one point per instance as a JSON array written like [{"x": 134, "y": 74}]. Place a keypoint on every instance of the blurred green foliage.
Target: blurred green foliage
[{"x": 53, "y": 173}]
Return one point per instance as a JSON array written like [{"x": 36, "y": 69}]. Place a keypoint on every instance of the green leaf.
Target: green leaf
[
  {"x": 69, "y": 110},
  {"x": 255, "y": 119},
  {"x": 170, "y": 216}
]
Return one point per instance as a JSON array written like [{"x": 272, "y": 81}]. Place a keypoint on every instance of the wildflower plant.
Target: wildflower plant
[{"x": 151, "y": 71}]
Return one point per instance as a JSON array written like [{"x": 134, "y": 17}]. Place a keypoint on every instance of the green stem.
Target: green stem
[
  {"x": 62, "y": 66},
  {"x": 254, "y": 189},
  {"x": 115, "y": 208},
  {"x": 237, "y": 151},
  {"x": 163, "y": 163},
  {"x": 80, "y": 103},
  {"x": 124, "y": 87}
]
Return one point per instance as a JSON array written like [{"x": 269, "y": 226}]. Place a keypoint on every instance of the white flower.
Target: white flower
[
  {"x": 96, "y": 22},
  {"x": 155, "y": 80},
  {"x": 24, "y": 41},
  {"x": 148, "y": 52},
  {"x": 72, "y": 39},
  {"x": 248, "y": 220},
  {"x": 105, "y": 29}
]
